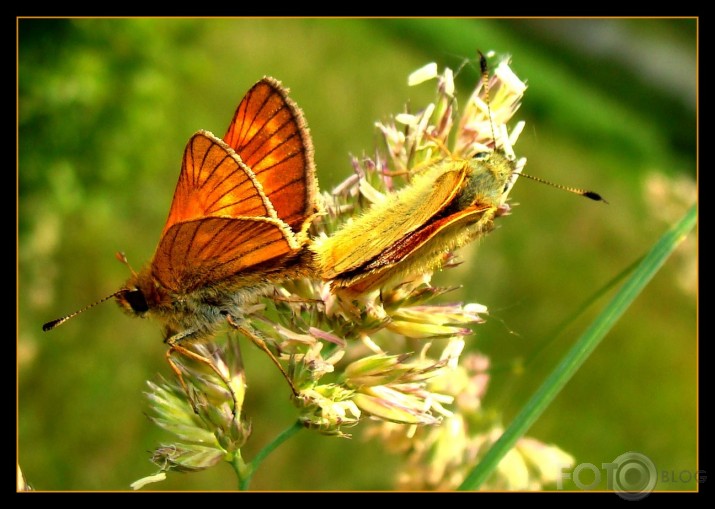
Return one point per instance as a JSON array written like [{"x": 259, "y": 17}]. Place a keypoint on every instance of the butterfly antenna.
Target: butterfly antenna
[
  {"x": 485, "y": 80},
  {"x": 54, "y": 323},
  {"x": 484, "y": 68},
  {"x": 583, "y": 192}
]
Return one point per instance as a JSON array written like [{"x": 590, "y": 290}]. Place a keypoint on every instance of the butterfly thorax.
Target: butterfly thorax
[
  {"x": 488, "y": 177},
  {"x": 192, "y": 315}
]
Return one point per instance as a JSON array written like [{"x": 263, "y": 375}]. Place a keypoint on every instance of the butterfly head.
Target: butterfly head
[
  {"x": 139, "y": 295},
  {"x": 133, "y": 301},
  {"x": 491, "y": 176}
]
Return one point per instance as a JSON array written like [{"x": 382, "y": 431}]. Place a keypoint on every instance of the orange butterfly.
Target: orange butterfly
[{"x": 238, "y": 222}]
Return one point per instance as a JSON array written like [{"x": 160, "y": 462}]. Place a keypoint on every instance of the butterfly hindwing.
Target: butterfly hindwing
[
  {"x": 270, "y": 135},
  {"x": 194, "y": 254}
]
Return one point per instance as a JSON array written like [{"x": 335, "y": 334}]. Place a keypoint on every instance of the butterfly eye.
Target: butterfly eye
[
  {"x": 481, "y": 155},
  {"x": 136, "y": 300}
]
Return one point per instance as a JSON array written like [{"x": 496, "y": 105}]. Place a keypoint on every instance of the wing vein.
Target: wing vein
[
  {"x": 249, "y": 251},
  {"x": 253, "y": 120},
  {"x": 270, "y": 136},
  {"x": 246, "y": 101}
]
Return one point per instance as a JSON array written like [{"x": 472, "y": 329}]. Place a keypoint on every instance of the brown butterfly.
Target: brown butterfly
[{"x": 238, "y": 223}]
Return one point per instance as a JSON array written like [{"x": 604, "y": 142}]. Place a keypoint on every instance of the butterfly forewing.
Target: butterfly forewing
[
  {"x": 214, "y": 182},
  {"x": 270, "y": 135},
  {"x": 411, "y": 243},
  {"x": 387, "y": 224},
  {"x": 194, "y": 254},
  {"x": 411, "y": 248}
]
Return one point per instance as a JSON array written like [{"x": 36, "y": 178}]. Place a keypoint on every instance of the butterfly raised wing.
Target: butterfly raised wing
[
  {"x": 271, "y": 137},
  {"x": 194, "y": 254},
  {"x": 220, "y": 223},
  {"x": 240, "y": 202},
  {"x": 214, "y": 182}
]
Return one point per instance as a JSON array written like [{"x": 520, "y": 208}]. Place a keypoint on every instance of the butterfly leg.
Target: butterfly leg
[
  {"x": 253, "y": 335},
  {"x": 174, "y": 346}
]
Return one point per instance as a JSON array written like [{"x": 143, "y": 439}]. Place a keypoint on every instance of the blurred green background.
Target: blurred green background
[{"x": 106, "y": 107}]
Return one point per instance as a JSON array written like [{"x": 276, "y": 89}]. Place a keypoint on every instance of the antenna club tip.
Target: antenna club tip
[
  {"x": 51, "y": 325},
  {"x": 482, "y": 62},
  {"x": 595, "y": 196}
]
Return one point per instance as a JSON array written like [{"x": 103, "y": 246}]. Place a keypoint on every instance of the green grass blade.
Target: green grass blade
[
  {"x": 245, "y": 479},
  {"x": 588, "y": 341}
]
